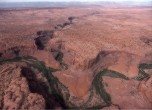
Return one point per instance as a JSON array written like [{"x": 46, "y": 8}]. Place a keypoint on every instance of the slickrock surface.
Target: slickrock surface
[{"x": 84, "y": 57}]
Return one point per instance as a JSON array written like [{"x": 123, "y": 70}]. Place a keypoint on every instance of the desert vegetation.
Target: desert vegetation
[{"x": 93, "y": 58}]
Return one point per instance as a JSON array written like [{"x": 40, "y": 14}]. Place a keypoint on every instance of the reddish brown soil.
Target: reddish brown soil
[{"x": 118, "y": 39}]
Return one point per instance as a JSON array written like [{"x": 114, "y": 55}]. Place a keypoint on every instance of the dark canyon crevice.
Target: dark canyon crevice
[{"x": 41, "y": 88}]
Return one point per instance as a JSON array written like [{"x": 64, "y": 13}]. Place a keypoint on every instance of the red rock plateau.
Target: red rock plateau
[{"x": 82, "y": 57}]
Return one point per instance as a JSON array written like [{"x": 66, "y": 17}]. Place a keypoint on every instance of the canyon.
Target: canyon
[{"x": 76, "y": 57}]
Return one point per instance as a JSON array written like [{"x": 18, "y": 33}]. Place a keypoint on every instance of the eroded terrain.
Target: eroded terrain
[{"x": 88, "y": 57}]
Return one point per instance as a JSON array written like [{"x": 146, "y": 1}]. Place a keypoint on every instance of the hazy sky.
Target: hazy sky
[{"x": 67, "y": 0}]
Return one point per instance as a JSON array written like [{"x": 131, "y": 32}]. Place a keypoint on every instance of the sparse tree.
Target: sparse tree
[{"x": 71, "y": 19}]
